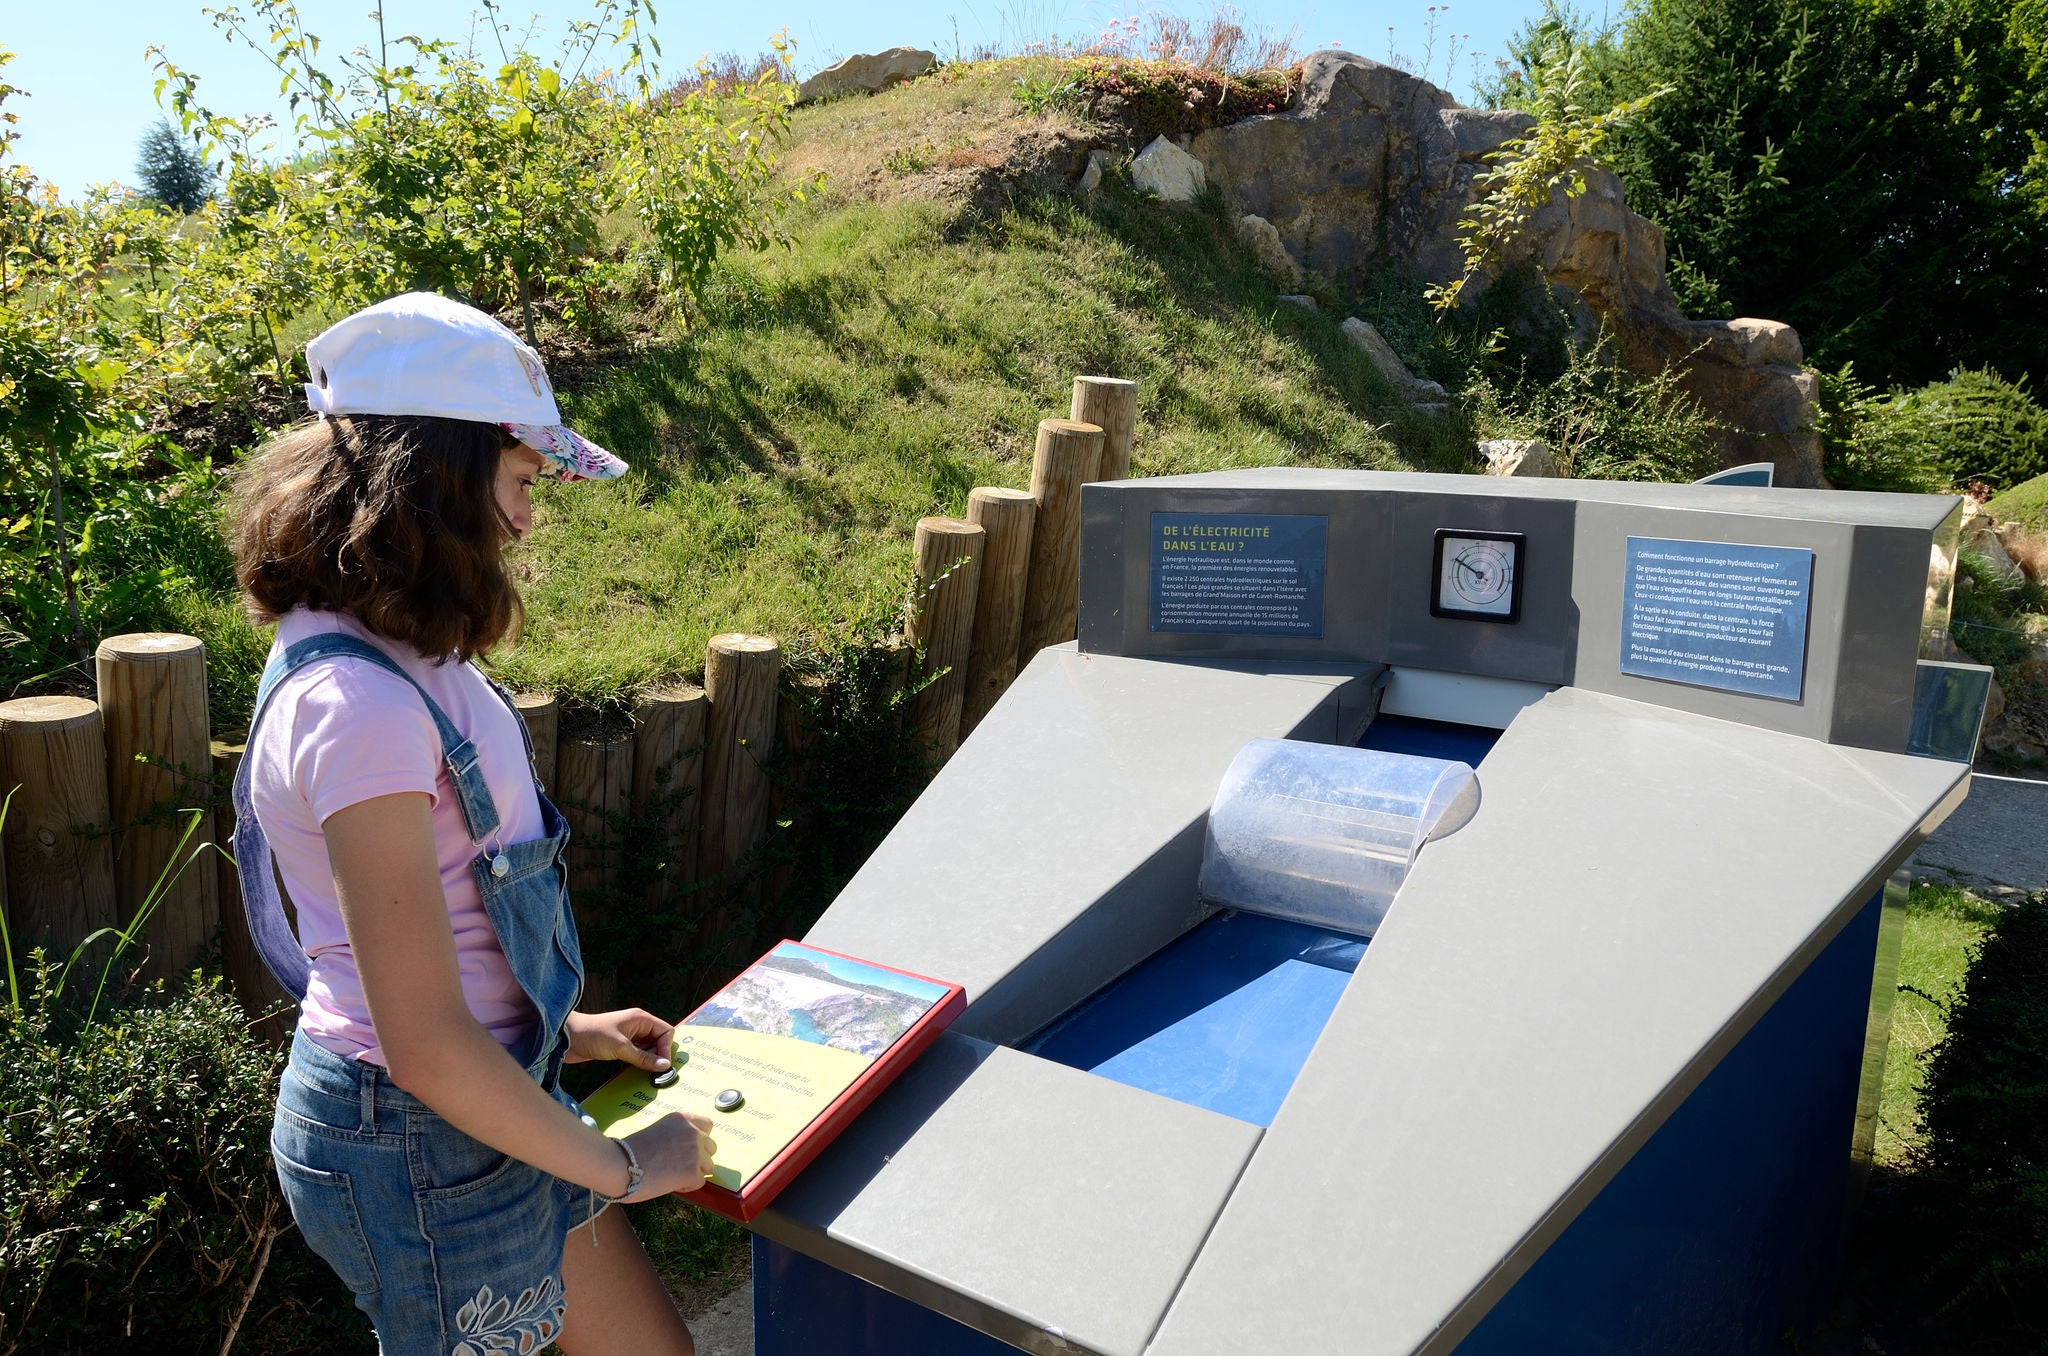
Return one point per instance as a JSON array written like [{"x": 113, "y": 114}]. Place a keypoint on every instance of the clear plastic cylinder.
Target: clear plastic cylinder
[{"x": 1322, "y": 834}]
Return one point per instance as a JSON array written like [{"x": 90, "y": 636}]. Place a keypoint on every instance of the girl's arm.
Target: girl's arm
[{"x": 389, "y": 886}]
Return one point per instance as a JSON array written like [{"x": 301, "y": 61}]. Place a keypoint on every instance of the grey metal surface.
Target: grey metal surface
[
  {"x": 1116, "y": 571},
  {"x": 1600, "y": 571},
  {"x": 1862, "y": 638},
  {"x": 1060, "y": 845},
  {"x": 1049, "y": 1208},
  {"x": 1539, "y": 647},
  {"x": 1538, "y": 1001}
]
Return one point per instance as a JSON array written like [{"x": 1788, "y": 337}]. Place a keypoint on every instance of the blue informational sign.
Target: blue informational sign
[
  {"x": 1239, "y": 574},
  {"x": 1715, "y": 614}
]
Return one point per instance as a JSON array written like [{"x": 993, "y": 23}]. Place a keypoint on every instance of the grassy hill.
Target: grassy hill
[{"x": 935, "y": 300}]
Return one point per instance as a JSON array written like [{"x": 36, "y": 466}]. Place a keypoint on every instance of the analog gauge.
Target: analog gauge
[{"x": 1477, "y": 575}]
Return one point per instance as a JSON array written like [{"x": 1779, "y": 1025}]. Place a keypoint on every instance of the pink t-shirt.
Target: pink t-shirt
[{"x": 340, "y": 731}]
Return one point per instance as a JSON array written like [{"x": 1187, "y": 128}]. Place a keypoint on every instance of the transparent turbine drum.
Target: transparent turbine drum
[{"x": 1324, "y": 835}]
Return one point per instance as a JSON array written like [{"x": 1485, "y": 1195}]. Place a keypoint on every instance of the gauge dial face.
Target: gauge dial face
[{"x": 1478, "y": 575}]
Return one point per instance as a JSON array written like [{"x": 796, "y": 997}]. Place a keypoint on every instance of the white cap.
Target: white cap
[{"x": 421, "y": 353}]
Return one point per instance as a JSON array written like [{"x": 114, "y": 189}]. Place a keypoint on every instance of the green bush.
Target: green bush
[
  {"x": 1601, "y": 421},
  {"x": 1985, "y": 1162},
  {"x": 1976, "y": 426},
  {"x": 138, "y": 1195},
  {"x": 1872, "y": 441}
]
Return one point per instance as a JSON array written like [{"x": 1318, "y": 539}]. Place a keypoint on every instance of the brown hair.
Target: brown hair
[{"x": 393, "y": 518}]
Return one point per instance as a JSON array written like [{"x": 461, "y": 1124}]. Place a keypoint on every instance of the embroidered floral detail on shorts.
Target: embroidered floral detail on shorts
[{"x": 492, "y": 1326}]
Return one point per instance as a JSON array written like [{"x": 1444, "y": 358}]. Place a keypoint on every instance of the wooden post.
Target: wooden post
[
  {"x": 596, "y": 776},
  {"x": 543, "y": 715},
  {"x": 668, "y": 781},
  {"x": 272, "y": 1013},
  {"x": 797, "y": 709},
  {"x": 939, "y": 623},
  {"x": 53, "y": 756},
  {"x": 1068, "y": 456},
  {"x": 1006, "y": 516},
  {"x": 740, "y": 675},
  {"x": 1111, "y": 404},
  {"x": 896, "y": 654},
  {"x": 159, "y": 753}
]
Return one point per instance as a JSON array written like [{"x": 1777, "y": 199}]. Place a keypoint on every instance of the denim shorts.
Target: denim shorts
[{"x": 451, "y": 1247}]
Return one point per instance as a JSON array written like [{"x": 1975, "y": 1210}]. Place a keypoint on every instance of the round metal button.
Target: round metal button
[
  {"x": 501, "y": 865},
  {"x": 666, "y": 1076},
  {"x": 730, "y": 1100}
]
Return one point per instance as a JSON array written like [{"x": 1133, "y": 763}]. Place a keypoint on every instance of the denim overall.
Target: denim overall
[{"x": 449, "y": 1246}]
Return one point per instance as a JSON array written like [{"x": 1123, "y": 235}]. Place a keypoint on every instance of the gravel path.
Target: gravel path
[
  {"x": 1997, "y": 841},
  {"x": 727, "y": 1327}
]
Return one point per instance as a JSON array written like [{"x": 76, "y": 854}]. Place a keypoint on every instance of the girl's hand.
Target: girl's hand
[
  {"x": 675, "y": 1154},
  {"x": 631, "y": 1035}
]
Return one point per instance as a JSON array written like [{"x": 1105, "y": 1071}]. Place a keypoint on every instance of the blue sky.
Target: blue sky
[{"x": 91, "y": 84}]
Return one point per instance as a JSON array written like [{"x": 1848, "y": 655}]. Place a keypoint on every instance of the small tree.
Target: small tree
[{"x": 172, "y": 170}]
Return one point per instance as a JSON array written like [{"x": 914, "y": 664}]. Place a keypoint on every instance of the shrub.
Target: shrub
[
  {"x": 1602, "y": 422},
  {"x": 1161, "y": 98},
  {"x": 1986, "y": 1157},
  {"x": 139, "y": 1203},
  {"x": 1872, "y": 442},
  {"x": 1974, "y": 426}
]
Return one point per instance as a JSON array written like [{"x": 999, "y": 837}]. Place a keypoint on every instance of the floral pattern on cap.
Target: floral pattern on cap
[{"x": 569, "y": 454}]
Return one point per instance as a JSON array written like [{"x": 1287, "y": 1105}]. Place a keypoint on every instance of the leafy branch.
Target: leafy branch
[{"x": 1530, "y": 170}]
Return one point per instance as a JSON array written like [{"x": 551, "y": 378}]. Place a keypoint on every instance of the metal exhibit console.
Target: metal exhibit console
[{"x": 1337, "y": 1045}]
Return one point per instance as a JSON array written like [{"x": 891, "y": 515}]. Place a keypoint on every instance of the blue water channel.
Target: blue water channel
[{"x": 1224, "y": 1017}]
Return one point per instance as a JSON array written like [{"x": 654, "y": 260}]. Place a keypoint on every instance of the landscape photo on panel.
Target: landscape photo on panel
[{"x": 825, "y": 999}]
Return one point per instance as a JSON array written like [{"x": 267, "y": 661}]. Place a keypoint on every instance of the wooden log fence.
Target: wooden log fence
[
  {"x": 152, "y": 690},
  {"x": 1005, "y": 518},
  {"x": 58, "y": 853},
  {"x": 939, "y": 624},
  {"x": 1068, "y": 456},
  {"x": 543, "y": 716},
  {"x": 595, "y": 773},
  {"x": 103, "y": 790}
]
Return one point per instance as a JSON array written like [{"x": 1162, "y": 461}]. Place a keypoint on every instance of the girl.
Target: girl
[{"x": 421, "y": 1140}]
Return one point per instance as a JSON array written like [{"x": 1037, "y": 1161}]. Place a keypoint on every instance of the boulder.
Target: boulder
[
  {"x": 1167, "y": 171},
  {"x": 1981, "y": 535},
  {"x": 869, "y": 73},
  {"x": 1091, "y": 177},
  {"x": 1519, "y": 457},
  {"x": 1423, "y": 394},
  {"x": 1299, "y": 300},
  {"x": 1372, "y": 168},
  {"x": 1265, "y": 241},
  {"x": 2021, "y": 727}
]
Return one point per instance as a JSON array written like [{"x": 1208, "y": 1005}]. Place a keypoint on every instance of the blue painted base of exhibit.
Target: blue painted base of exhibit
[
  {"x": 1725, "y": 1232},
  {"x": 1221, "y": 1019},
  {"x": 805, "y": 1308}
]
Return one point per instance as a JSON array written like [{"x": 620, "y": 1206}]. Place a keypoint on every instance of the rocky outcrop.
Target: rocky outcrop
[
  {"x": 1425, "y": 396},
  {"x": 1265, "y": 241},
  {"x": 1167, "y": 171},
  {"x": 1519, "y": 457},
  {"x": 1373, "y": 167},
  {"x": 868, "y": 73}
]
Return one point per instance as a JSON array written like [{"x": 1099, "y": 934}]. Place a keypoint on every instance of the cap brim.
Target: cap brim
[{"x": 570, "y": 455}]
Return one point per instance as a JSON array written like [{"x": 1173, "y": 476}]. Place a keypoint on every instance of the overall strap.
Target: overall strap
[{"x": 272, "y": 935}]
